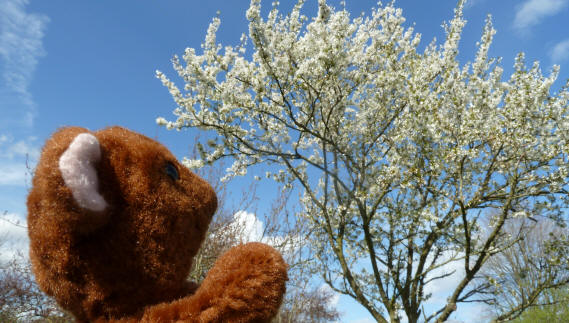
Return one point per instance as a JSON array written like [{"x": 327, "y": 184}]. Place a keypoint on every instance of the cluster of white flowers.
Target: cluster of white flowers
[{"x": 377, "y": 134}]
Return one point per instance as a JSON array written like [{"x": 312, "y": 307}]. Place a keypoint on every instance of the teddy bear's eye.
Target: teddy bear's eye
[{"x": 172, "y": 171}]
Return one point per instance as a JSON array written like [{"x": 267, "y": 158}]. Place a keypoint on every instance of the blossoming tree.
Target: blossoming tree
[{"x": 398, "y": 153}]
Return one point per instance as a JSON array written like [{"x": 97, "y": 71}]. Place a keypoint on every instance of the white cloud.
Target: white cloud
[
  {"x": 13, "y": 236},
  {"x": 532, "y": 12},
  {"x": 472, "y": 3},
  {"x": 472, "y": 313},
  {"x": 23, "y": 148},
  {"x": 250, "y": 227},
  {"x": 16, "y": 156},
  {"x": 441, "y": 288},
  {"x": 560, "y": 51},
  {"x": 333, "y": 301},
  {"x": 10, "y": 148},
  {"x": 14, "y": 174},
  {"x": 21, "y": 35}
]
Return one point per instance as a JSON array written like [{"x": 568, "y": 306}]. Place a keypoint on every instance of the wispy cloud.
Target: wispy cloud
[
  {"x": 14, "y": 174},
  {"x": 21, "y": 35},
  {"x": 13, "y": 236},
  {"x": 333, "y": 301},
  {"x": 11, "y": 148},
  {"x": 472, "y": 3},
  {"x": 441, "y": 289},
  {"x": 21, "y": 46},
  {"x": 532, "y": 12},
  {"x": 473, "y": 313},
  {"x": 16, "y": 156},
  {"x": 560, "y": 52}
]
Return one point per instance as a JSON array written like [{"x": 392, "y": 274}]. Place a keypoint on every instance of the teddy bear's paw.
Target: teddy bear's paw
[{"x": 246, "y": 284}]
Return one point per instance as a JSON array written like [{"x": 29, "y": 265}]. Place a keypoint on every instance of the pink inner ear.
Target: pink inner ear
[{"x": 77, "y": 166}]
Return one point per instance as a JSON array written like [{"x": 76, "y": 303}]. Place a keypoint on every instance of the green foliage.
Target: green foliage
[
  {"x": 556, "y": 313},
  {"x": 7, "y": 316}
]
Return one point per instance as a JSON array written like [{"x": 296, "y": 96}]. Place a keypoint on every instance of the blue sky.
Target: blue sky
[{"x": 92, "y": 63}]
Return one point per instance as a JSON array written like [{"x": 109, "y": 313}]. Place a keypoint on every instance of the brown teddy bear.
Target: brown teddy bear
[{"x": 114, "y": 222}]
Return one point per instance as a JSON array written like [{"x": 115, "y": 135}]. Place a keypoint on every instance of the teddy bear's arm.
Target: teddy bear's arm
[{"x": 246, "y": 284}]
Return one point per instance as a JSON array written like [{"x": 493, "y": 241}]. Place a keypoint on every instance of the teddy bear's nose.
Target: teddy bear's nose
[
  {"x": 208, "y": 198},
  {"x": 211, "y": 202}
]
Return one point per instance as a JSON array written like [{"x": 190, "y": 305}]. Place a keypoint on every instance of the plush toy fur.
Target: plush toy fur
[{"x": 114, "y": 222}]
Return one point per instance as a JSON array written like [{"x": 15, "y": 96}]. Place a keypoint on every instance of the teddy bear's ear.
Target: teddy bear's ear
[{"x": 77, "y": 166}]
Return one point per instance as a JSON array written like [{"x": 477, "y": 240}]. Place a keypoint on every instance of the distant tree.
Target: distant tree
[
  {"x": 530, "y": 273},
  {"x": 20, "y": 298},
  {"x": 556, "y": 312},
  {"x": 398, "y": 152},
  {"x": 308, "y": 305}
]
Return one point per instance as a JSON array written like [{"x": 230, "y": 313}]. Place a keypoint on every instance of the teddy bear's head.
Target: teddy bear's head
[{"x": 114, "y": 221}]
